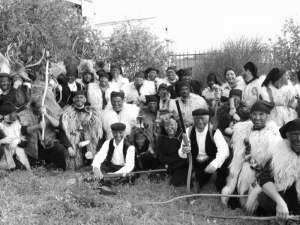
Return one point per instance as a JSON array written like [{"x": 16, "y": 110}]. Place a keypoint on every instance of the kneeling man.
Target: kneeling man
[
  {"x": 208, "y": 148},
  {"x": 116, "y": 154}
]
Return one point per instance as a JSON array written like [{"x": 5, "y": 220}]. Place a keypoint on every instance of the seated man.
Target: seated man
[
  {"x": 208, "y": 148},
  {"x": 22, "y": 83},
  {"x": 116, "y": 155},
  {"x": 280, "y": 177}
]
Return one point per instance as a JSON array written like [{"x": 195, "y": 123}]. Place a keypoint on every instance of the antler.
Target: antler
[
  {"x": 7, "y": 54},
  {"x": 39, "y": 62},
  {"x": 73, "y": 46}
]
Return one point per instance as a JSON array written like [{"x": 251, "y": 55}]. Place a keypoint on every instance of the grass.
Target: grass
[{"x": 45, "y": 197}]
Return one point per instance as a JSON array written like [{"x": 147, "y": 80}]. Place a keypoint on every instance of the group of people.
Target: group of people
[{"x": 245, "y": 130}]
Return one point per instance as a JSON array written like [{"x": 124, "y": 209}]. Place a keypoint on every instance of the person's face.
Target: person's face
[
  {"x": 79, "y": 100},
  {"x": 70, "y": 78},
  {"x": 259, "y": 119},
  {"x": 152, "y": 106},
  {"x": 200, "y": 122},
  {"x": 11, "y": 117},
  {"x": 186, "y": 78},
  {"x": 115, "y": 73},
  {"x": 138, "y": 80},
  {"x": 237, "y": 100},
  {"x": 117, "y": 103},
  {"x": 294, "y": 138},
  {"x": 36, "y": 108},
  {"x": 17, "y": 78},
  {"x": 60, "y": 79},
  {"x": 163, "y": 92},
  {"x": 230, "y": 76},
  {"x": 171, "y": 74},
  {"x": 171, "y": 127},
  {"x": 4, "y": 83},
  {"x": 118, "y": 135},
  {"x": 103, "y": 81},
  {"x": 87, "y": 77},
  {"x": 211, "y": 83},
  {"x": 246, "y": 74},
  {"x": 140, "y": 140},
  {"x": 184, "y": 92},
  {"x": 152, "y": 75},
  {"x": 285, "y": 78}
]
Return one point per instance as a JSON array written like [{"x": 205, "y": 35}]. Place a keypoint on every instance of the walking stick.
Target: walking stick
[{"x": 45, "y": 91}]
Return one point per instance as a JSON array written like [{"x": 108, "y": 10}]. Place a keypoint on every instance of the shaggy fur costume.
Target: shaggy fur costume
[
  {"x": 12, "y": 138},
  {"x": 122, "y": 82},
  {"x": 284, "y": 99},
  {"x": 240, "y": 84},
  {"x": 149, "y": 120},
  {"x": 252, "y": 91},
  {"x": 95, "y": 94},
  {"x": 91, "y": 123},
  {"x": 132, "y": 95},
  {"x": 194, "y": 102},
  {"x": 4, "y": 64},
  {"x": 128, "y": 116},
  {"x": 241, "y": 175}
]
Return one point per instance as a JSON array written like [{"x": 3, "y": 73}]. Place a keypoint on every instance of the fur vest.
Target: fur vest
[
  {"x": 72, "y": 123},
  {"x": 132, "y": 95},
  {"x": 241, "y": 175},
  {"x": 95, "y": 94},
  {"x": 240, "y": 84},
  {"x": 208, "y": 94},
  {"x": 252, "y": 91},
  {"x": 128, "y": 116},
  {"x": 122, "y": 82},
  {"x": 284, "y": 99}
]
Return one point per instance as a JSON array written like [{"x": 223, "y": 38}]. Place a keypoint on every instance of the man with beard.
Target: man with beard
[
  {"x": 250, "y": 141},
  {"x": 7, "y": 94},
  {"x": 186, "y": 75},
  {"x": 83, "y": 127},
  {"x": 119, "y": 111},
  {"x": 188, "y": 102},
  {"x": 99, "y": 94},
  {"x": 208, "y": 148},
  {"x": 117, "y": 78}
]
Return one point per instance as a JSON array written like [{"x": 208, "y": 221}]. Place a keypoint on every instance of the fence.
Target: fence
[{"x": 185, "y": 60}]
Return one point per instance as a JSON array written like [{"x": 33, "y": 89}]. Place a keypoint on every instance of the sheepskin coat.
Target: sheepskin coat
[
  {"x": 132, "y": 95},
  {"x": 122, "y": 82},
  {"x": 240, "y": 84},
  {"x": 251, "y": 92}
]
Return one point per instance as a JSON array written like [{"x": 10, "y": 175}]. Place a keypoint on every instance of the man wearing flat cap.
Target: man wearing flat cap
[
  {"x": 99, "y": 93},
  {"x": 7, "y": 93},
  {"x": 278, "y": 189},
  {"x": 250, "y": 142},
  {"x": 116, "y": 155},
  {"x": 171, "y": 80},
  {"x": 253, "y": 84},
  {"x": 83, "y": 128},
  {"x": 187, "y": 75},
  {"x": 208, "y": 148},
  {"x": 117, "y": 78},
  {"x": 119, "y": 112},
  {"x": 277, "y": 88},
  {"x": 188, "y": 102},
  {"x": 136, "y": 90}
]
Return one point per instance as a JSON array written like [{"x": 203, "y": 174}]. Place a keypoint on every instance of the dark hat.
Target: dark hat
[
  {"x": 100, "y": 63},
  {"x": 151, "y": 69},
  {"x": 140, "y": 74},
  {"x": 236, "y": 92},
  {"x": 262, "y": 106},
  {"x": 172, "y": 68},
  {"x": 118, "y": 126},
  {"x": 116, "y": 67},
  {"x": 293, "y": 125},
  {"x": 72, "y": 71},
  {"x": 7, "y": 108},
  {"x": 117, "y": 94},
  {"x": 185, "y": 72},
  {"x": 200, "y": 112},
  {"x": 4, "y": 75},
  {"x": 76, "y": 93},
  {"x": 101, "y": 73},
  {"x": 163, "y": 85},
  {"x": 252, "y": 68},
  {"x": 211, "y": 77},
  {"x": 183, "y": 84},
  {"x": 227, "y": 68},
  {"x": 151, "y": 98},
  {"x": 275, "y": 74}
]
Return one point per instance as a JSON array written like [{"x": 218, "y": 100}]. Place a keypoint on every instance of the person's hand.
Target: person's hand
[
  {"x": 210, "y": 169},
  {"x": 42, "y": 125},
  {"x": 27, "y": 84},
  {"x": 236, "y": 117},
  {"x": 43, "y": 110},
  {"x": 71, "y": 152},
  {"x": 146, "y": 155},
  {"x": 282, "y": 211},
  {"x": 186, "y": 149},
  {"x": 17, "y": 84},
  {"x": 97, "y": 174},
  {"x": 59, "y": 87}
]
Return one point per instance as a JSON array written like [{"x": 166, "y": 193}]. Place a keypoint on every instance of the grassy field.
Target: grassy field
[{"x": 45, "y": 197}]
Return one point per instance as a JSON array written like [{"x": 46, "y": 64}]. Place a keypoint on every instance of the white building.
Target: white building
[{"x": 88, "y": 9}]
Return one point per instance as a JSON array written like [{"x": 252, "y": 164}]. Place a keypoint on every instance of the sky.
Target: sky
[{"x": 198, "y": 25}]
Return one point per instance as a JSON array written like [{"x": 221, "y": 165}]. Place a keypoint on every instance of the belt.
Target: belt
[{"x": 202, "y": 160}]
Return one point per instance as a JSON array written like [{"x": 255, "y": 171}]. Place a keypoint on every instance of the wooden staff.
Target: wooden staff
[{"x": 45, "y": 91}]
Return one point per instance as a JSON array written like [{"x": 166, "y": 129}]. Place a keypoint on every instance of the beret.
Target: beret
[
  {"x": 76, "y": 93},
  {"x": 183, "y": 84},
  {"x": 151, "y": 98},
  {"x": 140, "y": 74},
  {"x": 163, "y": 85},
  {"x": 200, "y": 112},
  {"x": 187, "y": 72},
  {"x": 116, "y": 67},
  {"x": 293, "y": 125},
  {"x": 150, "y": 69},
  {"x": 211, "y": 77},
  {"x": 7, "y": 108},
  {"x": 172, "y": 68},
  {"x": 262, "y": 106},
  {"x": 227, "y": 68},
  {"x": 236, "y": 92},
  {"x": 101, "y": 73},
  {"x": 117, "y": 94},
  {"x": 4, "y": 75},
  {"x": 72, "y": 71}
]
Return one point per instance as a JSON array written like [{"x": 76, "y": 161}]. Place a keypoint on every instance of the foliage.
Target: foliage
[
  {"x": 287, "y": 46},
  {"x": 235, "y": 53},
  {"x": 136, "y": 48},
  {"x": 44, "y": 24}
]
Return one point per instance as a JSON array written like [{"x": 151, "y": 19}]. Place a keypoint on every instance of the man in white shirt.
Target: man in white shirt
[
  {"x": 116, "y": 154},
  {"x": 209, "y": 150}
]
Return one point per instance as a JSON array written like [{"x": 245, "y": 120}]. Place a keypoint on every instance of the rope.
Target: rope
[
  {"x": 194, "y": 195},
  {"x": 295, "y": 218}
]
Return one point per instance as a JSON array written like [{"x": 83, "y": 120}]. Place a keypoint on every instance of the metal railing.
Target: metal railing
[{"x": 185, "y": 59}]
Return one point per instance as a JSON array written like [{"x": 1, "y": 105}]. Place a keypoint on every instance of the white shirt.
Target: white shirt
[
  {"x": 117, "y": 158},
  {"x": 222, "y": 147},
  {"x": 73, "y": 86}
]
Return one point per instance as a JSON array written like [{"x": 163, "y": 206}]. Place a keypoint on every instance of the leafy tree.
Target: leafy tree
[{"x": 136, "y": 48}]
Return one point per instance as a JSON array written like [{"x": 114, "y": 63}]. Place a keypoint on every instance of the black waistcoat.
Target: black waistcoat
[{"x": 111, "y": 150}]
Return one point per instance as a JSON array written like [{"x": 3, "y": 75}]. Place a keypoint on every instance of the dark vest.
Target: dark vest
[
  {"x": 111, "y": 150},
  {"x": 210, "y": 146}
]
